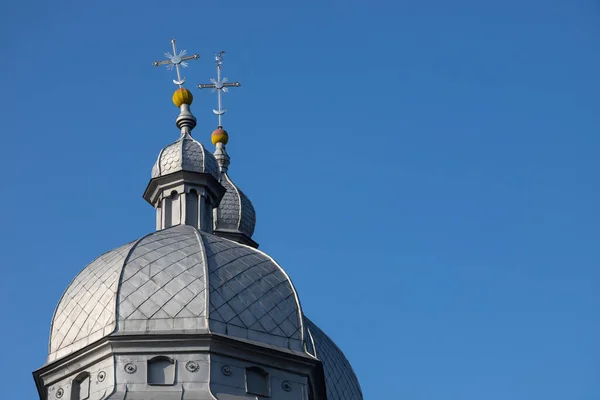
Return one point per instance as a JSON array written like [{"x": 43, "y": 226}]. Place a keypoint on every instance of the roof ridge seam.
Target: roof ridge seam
[
  {"x": 203, "y": 152},
  {"x": 296, "y": 297},
  {"x": 65, "y": 292},
  {"x": 206, "y": 278},
  {"x": 239, "y": 222},
  {"x": 159, "y": 161},
  {"x": 183, "y": 159},
  {"x": 120, "y": 281}
]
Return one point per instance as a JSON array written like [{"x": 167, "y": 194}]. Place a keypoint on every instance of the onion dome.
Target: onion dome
[
  {"x": 235, "y": 212},
  {"x": 235, "y": 218}
]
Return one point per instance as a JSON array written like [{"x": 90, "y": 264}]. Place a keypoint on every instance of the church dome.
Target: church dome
[
  {"x": 184, "y": 281},
  {"x": 235, "y": 212},
  {"x": 186, "y": 154},
  {"x": 340, "y": 380},
  {"x": 179, "y": 280},
  {"x": 193, "y": 310}
]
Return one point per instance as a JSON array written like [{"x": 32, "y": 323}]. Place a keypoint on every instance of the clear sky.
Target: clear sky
[{"x": 426, "y": 171}]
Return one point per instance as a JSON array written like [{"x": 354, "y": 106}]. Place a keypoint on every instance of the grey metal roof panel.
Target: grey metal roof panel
[
  {"x": 229, "y": 207},
  {"x": 163, "y": 285},
  {"x": 248, "y": 217},
  {"x": 186, "y": 154},
  {"x": 86, "y": 311},
  {"x": 235, "y": 211},
  {"x": 251, "y": 296},
  {"x": 340, "y": 379}
]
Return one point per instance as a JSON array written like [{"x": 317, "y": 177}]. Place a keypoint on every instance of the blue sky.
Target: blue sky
[{"x": 426, "y": 172}]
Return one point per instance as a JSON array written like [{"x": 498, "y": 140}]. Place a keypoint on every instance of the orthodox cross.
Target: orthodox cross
[
  {"x": 175, "y": 60},
  {"x": 220, "y": 85}
]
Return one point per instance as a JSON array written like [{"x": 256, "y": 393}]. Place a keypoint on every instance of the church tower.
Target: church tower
[{"x": 192, "y": 311}]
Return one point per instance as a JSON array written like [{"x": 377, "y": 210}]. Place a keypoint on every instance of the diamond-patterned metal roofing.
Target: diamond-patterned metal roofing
[
  {"x": 163, "y": 284},
  {"x": 186, "y": 281},
  {"x": 186, "y": 154},
  {"x": 158, "y": 285},
  {"x": 340, "y": 379},
  {"x": 248, "y": 220},
  {"x": 235, "y": 211},
  {"x": 250, "y": 295},
  {"x": 86, "y": 311}
]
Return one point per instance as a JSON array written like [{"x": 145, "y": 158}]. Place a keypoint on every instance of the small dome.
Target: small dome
[
  {"x": 235, "y": 212},
  {"x": 179, "y": 280},
  {"x": 186, "y": 154}
]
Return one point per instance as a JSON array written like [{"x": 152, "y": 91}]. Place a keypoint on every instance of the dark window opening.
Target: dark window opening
[
  {"x": 257, "y": 381},
  {"x": 161, "y": 371}
]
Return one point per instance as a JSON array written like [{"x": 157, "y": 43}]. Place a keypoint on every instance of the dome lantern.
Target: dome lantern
[{"x": 184, "y": 188}]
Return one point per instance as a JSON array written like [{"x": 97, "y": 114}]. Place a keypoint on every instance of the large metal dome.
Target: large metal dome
[{"x": 179, "y": 280}]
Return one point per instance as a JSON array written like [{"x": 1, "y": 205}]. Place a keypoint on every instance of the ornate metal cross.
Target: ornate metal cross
[
  {"x": 220, "y": 85},
  {"x": 175, "y": 60}
]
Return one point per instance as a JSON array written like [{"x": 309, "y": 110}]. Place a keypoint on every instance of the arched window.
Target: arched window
[
  {"x": 161, "y": 371},
  {"x": 172, "y": 209},
  {"x": 191, "y": 208},
  {"x": 80, "y": 389},
  {"x": 257, "y": 381}
]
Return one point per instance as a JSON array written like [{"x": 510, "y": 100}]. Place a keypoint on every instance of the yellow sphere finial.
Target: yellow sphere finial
[
  {"x": 219, "y": 135},
  {"x": 182, "y": 96}
]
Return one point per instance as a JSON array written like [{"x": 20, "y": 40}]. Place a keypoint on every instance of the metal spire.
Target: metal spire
[
  {"x": 220, "y": 85},
  {"x": 175, "y": 60}
]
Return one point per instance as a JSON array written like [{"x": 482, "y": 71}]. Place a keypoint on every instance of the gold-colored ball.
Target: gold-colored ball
[
  {"x": 219, "y": 135},
  {"x": 182, "y": 96}
]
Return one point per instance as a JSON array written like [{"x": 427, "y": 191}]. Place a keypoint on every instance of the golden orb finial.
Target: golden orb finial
[
  {"x": 219, "y": 135},
  {"x": 182, "y": 96}
]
